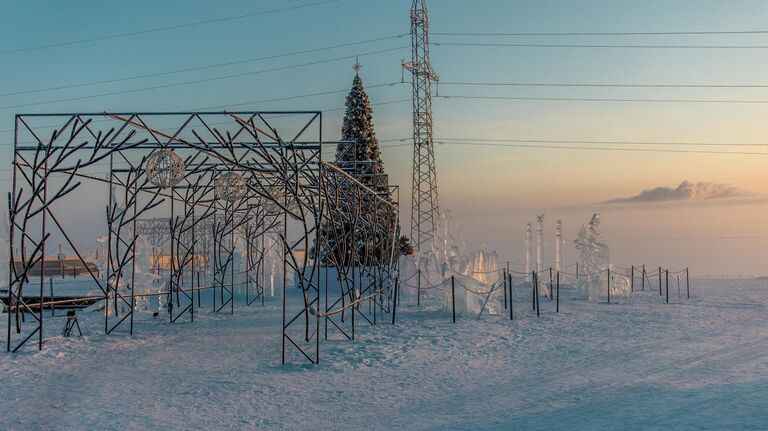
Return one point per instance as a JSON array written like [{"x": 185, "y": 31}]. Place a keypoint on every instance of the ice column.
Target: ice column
[
  {"x": 528, "y": 249},
  {"x": 559, "y": 246},
  {"x": 539, "y": 241},
  {"x": 272, "y": 269}
]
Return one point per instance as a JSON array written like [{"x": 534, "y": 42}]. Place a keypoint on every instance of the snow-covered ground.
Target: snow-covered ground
[{"x": 639, "y": 364}]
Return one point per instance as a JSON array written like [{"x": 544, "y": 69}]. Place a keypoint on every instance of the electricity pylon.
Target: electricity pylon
[{"x": 424, "y": 203}]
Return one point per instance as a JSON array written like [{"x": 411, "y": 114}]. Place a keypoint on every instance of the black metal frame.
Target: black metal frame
[{"x": 290, "y": 191}]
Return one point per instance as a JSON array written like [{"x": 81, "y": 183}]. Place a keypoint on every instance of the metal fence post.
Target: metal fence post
[
  {"x": 536, "y": 290},
  {"x": 453, "y": 298},
  {"x": 504, "y": 272},
  {"x": 418, "y": 287},
  {"x": 511, "y": 299},
  {"x": 394, "y": 302},
  {"x": 659, "y": 281}
]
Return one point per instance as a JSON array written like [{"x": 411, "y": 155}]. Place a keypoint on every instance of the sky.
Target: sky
[{"x": 704, "y": 210}]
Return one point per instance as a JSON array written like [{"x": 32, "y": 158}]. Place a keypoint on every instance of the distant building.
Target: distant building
[{"x": 59, "y": 266}]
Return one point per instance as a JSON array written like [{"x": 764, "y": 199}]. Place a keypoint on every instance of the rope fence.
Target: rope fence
[
  {"x": 553, "y": 279},
  {"x": 345, "y": 307}
]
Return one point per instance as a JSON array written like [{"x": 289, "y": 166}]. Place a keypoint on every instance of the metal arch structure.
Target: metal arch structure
[
  {"x": 425, "y": 209},
  {"x": 288, "y": 190},
  {"x": 48, "y": 170},
  {"x": 364, "y": 234}
]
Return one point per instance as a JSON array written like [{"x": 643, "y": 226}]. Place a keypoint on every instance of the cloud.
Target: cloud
[{"x": 686, "y": 191}]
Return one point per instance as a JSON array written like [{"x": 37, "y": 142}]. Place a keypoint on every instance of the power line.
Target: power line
[
  {"x": 559, "y": 141},
  {"x": 590, "y": 148},
  {"x": 643, "y": 150},
  {"x": 594, "y": 142},
  {"x": 599, "y": 99},
  {"x": 253, "y": 102},
  {"x": 589, "y": 85},
  {"x": 449, "y": 141},
  {"x": 106, "y": 173},
  {"x": 196, "y": 68},
  {"x": 277, "y": 99},
  {"x": 552, "y": 45},
  {"x": 391, "y": 84},
  {"x": 397, "y": 145},
  {"x": 166, "y": 28},
  {"x": 693, "y": 238},
  {"x": 198, "y": 81},
  {"x": 607, "y": 33}
]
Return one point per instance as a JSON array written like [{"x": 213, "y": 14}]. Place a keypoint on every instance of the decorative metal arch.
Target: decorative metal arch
[{"x": 289, "y": 191}]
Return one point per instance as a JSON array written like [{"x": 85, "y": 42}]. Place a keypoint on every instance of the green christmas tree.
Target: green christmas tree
[
  {"x": 363, "y": 161},
  {"x": 358, "y": 128}
]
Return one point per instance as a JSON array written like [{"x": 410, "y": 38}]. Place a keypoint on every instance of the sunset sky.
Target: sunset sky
[{"x": 715, "y": 223}]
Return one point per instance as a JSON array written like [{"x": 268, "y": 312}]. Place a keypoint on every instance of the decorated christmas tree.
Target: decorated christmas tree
[
  {"x": 359, "y": 155},
  {"x": 358, "y": 128}
]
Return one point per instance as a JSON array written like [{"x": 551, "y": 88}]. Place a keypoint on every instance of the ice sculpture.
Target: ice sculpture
[
  {"x": 99, "y": 256},
  {"x": 474, "y": 273},
  {"x": 534, "y": 250},
  {"x": 239, "y": 263},
  {"x": 472, "y": 296},
  {"x": 594, "y": 258},
  {"x": 528, "y": 251},
  {"x": 145, "y": 281},
  {"x": 559, "y": 246},
  {"x": 446, "y": 254},
  {"x": 539, "y": 242},
  {"x": 483, "y": 266},
  {"x": 451, "y": 255},
  {"x": 272, "y": 263},
  {"x": 449, "y": 247}
]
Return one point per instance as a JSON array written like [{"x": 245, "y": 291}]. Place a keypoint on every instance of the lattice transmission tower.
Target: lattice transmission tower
[{"x": 424, "y": 203}]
